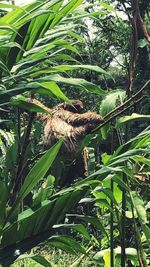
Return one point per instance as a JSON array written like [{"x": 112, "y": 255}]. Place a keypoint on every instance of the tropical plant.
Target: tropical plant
[
  {"x": 39, "y": 55},
  {"x": 33, "y": 40}
]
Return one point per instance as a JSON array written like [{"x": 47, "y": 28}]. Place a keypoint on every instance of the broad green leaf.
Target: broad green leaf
[
  {"x": 38, "y": 171},
  {"x": 54, "y": 89},
  {"x": 67, "y": 9},
  {"x": 133, "y": 117},
  {"x": 106, "y": 258},
  {"x": 41, "y": 260},
  {"x": 75, "y": 82},
  {"x": 130, "y": 252},
  {"x": 142, "y": 159},
  {"x": 22, "y": 102},
  {"x": 37, "y": 258},
  {"x": 11, "y": 44},
  {"x": 142, "y": 43},
  {"x": 89, "y": 67},
  {"x": 65, "y": 242},
  {"x": 63, "y": 57},
  {"x": 11, "y": 160},
  {"x": 35, "y": 52},
  {"x": 139, "y": 141},
  {"x": 3, "y": 66},
  {"x": 141, "y": 212},
  {"x": 120, "y": 182},
  {"x": 103, "y": 203},
  {"x": 140, "y": 208},
  {"x": 61, "y": 245},
  {"x": 111, "y": 101},
  {"x": 100, "y": 175},
  {"x": 97, "y": 193},
  {"x": 6, "y": 95},
  {"x": 66, "y": 202},
  {"x": 116, "y": 160},
  {"x": 76, "y": 36},
  {"x": 92, "y": 220},
  {"x": 105, "y": 158},
  {"x": 79, "y": 228},
  {"x": 7, "y": 28},
  {"x": 56, "y": 7},
  {"x": 146, "y": 231}
]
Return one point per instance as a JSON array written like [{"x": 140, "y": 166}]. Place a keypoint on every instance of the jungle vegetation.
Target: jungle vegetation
[{"x": 98, "y": 52}]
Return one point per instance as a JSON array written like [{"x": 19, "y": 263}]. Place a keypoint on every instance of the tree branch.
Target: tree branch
[
  {"x": 128, "y": 101},
  {"x": 119, "y": 113}
]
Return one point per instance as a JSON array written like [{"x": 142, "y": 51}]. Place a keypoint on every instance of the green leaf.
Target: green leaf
[
  {"x": 141, "y": 212},
  {"x": 111, "y": 101},
  {"x": 76, "y": 36},
  {"x": 67, "y": 243},
  {"x": 92, "y": 220},
  {"x": 41, "y": 260},
  {"x": 74, "y": 67},
  {"x": 141, "y": 159},
  {"x": 133, "y": 117},
  {"x": 129, "y": 154},
  {"x": 146, "y": 231},
  {"x": 64, "y": 57},
  {"x": 106, "y": 258},
  {"x": 38, "y": 171},
  {"x": 37, "y": 258},
  {"x": 107, "y": 192},
  {"x": 105, "y": 5},
  {"x": 105, "y": 158},
  {"x": 11, "y": 44},
  {"x": 140, "y": 207},
  {"x": 3, "y": 200},
  {"x": 22, "y": 102},
  {"x": 54, "y": 89},
  {"x": 76, "y": 82},
  {"x": 142, "y": 43},
  {"x": 67, "y": 9},
  {"x": 3, "y": 5},
  {"x": 75, "y": 227},
  {"x": 131, "y": 253},
  {"x": 120, "y": 182}
]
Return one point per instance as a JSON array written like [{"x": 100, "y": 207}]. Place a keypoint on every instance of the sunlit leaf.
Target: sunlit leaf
[
  {"x": 111, "y": 101},
  {"x": 54, "y": 89},
  {"x": 133, "y": 117}
]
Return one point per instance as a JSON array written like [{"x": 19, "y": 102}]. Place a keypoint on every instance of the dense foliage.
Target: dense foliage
[{"x": 57, "y": 50}]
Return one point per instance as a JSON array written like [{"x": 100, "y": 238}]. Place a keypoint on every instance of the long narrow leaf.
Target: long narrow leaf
[{"x": 38, "y": 171}]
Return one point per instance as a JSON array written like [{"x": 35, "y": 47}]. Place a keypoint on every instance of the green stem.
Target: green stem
[
  {"x": 112, "y": 213},
  {"x": 123, "y": 253},
  {"x": 112, "y": 230},
  {"x": 17, "y": 181},
  {"x": 140, "y": 254}
]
